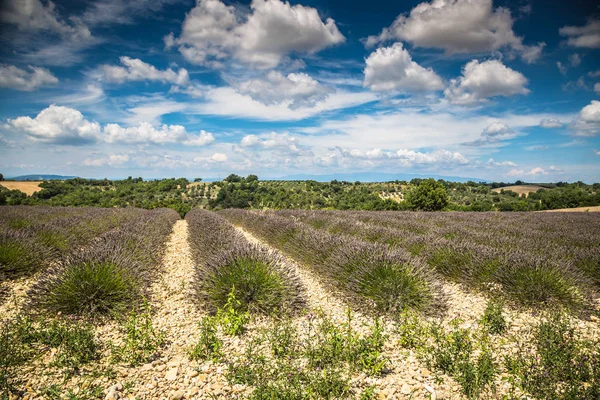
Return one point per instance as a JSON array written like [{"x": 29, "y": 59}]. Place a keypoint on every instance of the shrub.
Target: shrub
[{"x": 88, "y": 286}]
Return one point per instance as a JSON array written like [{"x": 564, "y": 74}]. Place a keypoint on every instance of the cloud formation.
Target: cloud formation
[
  {"x": 273, "y": 30},
  {"x": 587, "y": 122},
  {"x": 587, "y": 36},
  {"x": 481, "y": 81},
  {"x": 392, "y": 68},
  {"x": 134, "y": 69},
  {"x": 458, "y": 26},
  {"x": 25, "y": 80},
  {"x": 550, "y": 123},
  {"x": 64, "y": 125}
]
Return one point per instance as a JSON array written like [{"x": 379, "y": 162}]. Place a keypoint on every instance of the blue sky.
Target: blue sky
[{"x": 499, "y": 90}]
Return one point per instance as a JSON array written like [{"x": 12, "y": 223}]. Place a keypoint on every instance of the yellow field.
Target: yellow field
[
  {"x": 520, "y": 189},
  {"x": 577, "y": 209},
  {"x": 28, "y": 188}
]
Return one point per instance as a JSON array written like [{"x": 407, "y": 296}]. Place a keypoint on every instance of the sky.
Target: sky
[{"x": 497, "y": 90}]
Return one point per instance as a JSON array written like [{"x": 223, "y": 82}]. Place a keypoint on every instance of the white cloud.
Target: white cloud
[
  {"x": 597, "y": 88},
  {"x": 594, "y": 74},
  {"x": 56, "y": 124},
  {"x": 227, "y": 101},
  {"x": 406, "y": 157},
  {"x": 493, "y": 134},
  {"x": 33, "y": 16},
  {"x": 274, "y": 141},
  {"x": 272, "y": 30},
  {"x": 458, "y": 26},
  {"x": 550, "y": 123},
  {"x": 480, "y": 81},
  {"x": 536, "y": 171},
  {"x": 597, "y": 152},
  {"x": 492, "y": 163},
  {"x": 294, "y": 90},
  {"x": 215, "y": 158},
  {"x": 113, "y": 160},
  {"x": 587, "y": 123},
  {"x": 20, "y": 79},
  {"x": 136, "y": 70},
  {"x": 64, "y": 125},
  {"x": 563, "y": 69},
  {"x": 392, "y": 68},
  {"x": 587, "y": 36}
]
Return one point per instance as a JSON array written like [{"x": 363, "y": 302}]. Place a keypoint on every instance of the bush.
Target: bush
[
  {"x": 209, "y": 345},
  {"x": 85, "y": 287},
  {"x": 429, "y": 195}
]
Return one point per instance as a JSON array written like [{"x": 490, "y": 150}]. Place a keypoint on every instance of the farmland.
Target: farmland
[{"x": 115, "y": 303}]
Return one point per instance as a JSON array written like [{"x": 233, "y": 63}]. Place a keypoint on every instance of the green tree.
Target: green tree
[
  {"x": 197, "y": 179},
  {"x": 429, "y": 195},
  {"x": 1, "y": 177}
]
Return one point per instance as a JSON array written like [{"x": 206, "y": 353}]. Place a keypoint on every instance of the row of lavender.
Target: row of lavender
[
  {"x": 225, "y": 262},
  {"x": 532, "y": 257},
  {"x": 105, "y": 262},
  {"x": 31, "y": 238},
  {"x": 370, "y": 274}
]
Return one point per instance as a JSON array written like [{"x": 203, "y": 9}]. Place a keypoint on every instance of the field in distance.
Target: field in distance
[
  {"x": 520, "y": 189},
  {"x": 29, "y": 187}
]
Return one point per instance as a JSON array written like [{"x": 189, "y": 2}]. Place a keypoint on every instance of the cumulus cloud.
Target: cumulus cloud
[
  {"x": 537, "y": 171},
  {"x": 64, "y": 125},
  {"x": 493, "y": 134},
  {"x": 272, "y": 30},
  {"x": 575, "y": 60},
  {"x": 134, "y": 69},
  {"x": 587, "y": 36},
  {"x": 458, "y": 26},
  {"x": 19, "y": 79},
  {"x": 597, "y": 152},
  {"x": 550, "y": 123},
  {"x": 294, "y": 90},
  {"x": 481, "y": 81},
  {"x": 597, "y": 88},
  {"x": 561, "y": 67},
  {"x": 392, "y": 68},
  {"x": 587, "y": 122}
]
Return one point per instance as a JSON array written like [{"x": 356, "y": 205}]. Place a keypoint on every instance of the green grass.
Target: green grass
[{"x": 90, "y": 288}]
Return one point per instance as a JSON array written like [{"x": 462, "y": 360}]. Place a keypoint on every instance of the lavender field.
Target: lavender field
[{"x": 131, "y": 303}]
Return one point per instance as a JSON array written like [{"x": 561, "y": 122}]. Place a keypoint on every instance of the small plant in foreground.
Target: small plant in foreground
[
  {"x": 141, "y": 340},
  {"x": 209, "y": 345},
  {"x": 456, "y": 354},
  {"x": 562, "y": 366},
  {"x": 231, "y": 317},
  {"x": 493, "y": 319}
]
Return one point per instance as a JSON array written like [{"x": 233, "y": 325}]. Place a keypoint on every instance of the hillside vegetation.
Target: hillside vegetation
[{"x": 238, "y": 192}]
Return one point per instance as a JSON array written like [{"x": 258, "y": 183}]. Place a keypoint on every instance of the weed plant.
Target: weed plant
[
  {"x": 141, "y": 341},
  {"x": 493, "y": 318},
  {"x": 208, "y": 346}
]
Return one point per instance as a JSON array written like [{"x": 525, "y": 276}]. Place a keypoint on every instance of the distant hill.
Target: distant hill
[
  {"x": 372, "y": 177},
  {"x": 41, "y": 177}
]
